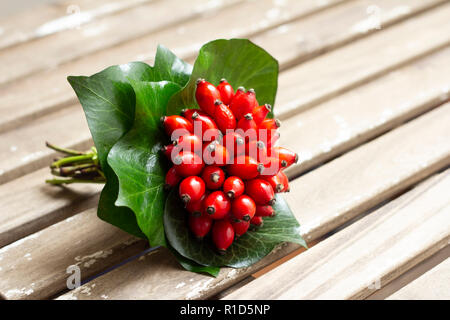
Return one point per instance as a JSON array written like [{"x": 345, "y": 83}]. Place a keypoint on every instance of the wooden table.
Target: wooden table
[{"x": 363, "y": 97}]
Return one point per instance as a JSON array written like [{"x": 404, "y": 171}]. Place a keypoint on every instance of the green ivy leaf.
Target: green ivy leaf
[
  {"x": 192, "y": 266},
  {"x": 245, "y": 251},
  {"x": 108, "y": 101},
  {"x": 240, "y": 61},
  {"x": 138, "y": 163}
]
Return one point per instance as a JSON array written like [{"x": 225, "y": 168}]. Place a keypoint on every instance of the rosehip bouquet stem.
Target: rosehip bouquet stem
[
  {"x": 188, "y": 162},
  {"x": 76, "y": 167}
]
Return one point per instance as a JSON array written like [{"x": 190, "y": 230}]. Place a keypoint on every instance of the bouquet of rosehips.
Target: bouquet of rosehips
[
  {"x": 210, "y": 171},
  {"x": 225, "y": 162}
]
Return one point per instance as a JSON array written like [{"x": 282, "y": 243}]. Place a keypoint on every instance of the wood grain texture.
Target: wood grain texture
[
  {"x": 348, "y": 120},
  {"x": 304, "y": 39},
  {"x": 48, "y": 90},
  {"x": 410, "y": 275},
  {"x": 366, "y": 255},
  {"x": 47, "y": 19},
  {"x": 35, "y": 266},
  {"x": 321, "y": 200},
  {"x": 370, "y": 174},
  {"x": 433, "y": 285},
  {"x": 341, "y": 70},
  {"x": 111, "y": 30},
  {"x": 29, "y": 205},
  {"x": 99, "y": 34}
]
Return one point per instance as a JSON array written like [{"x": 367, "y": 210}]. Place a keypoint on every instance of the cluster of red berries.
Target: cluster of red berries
[{"x": 225, "y": 161}]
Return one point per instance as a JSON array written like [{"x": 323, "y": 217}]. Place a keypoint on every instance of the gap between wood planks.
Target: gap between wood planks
[{"x": 411, "y": 275}]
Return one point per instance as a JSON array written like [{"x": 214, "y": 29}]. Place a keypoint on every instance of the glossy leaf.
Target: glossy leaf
[
  {"x": 108, "y": 101},
  {"x": 192, "y": 266},
  {"x": 138, "y": 163},
  {"x": 239, "y": 61}
]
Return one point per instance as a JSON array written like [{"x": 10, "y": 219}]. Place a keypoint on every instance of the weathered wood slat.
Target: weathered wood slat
[
  {"x": 433, "y": 285},
  {"x": 49, "y": 90},
  {"x": 345, "y": 123},
  {"x": 36, "y": 266},
  {"x": 410, "y": 275},
  {"x": 29, "y": 205},
  {"x": 371, "y": 173},
  {"x": 365, "y": 112},
  {"x": 52, "y": 18},
  {"x": 315, "y": 35},
  {"x": 318, "y": 80},
  {"x": 321, "y": 200},
  {"x": 14, "y": 165},
  {"x": 365, "y": 256},
  {"x": 112, "y": 30}
]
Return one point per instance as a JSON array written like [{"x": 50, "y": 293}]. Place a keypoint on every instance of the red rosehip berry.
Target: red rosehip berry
[
  {"x": 264, "y": 211},
  {"x": 260, "y": 191},
  {"x": 240, "y": 227},
  {"x": 216, "y": 205},
  {"x": 234, "y": 143},
  {"x": 176, "y": 126},
  {"x": 200, "y": 226},
  {"x": 284, "y": 180},
  {"x": 233, "y": 187},
  {"x": 270, "y": 124},
  {"x": 191, "y": 189},
  {"x": 275, "y": 181},
  {"x": 205, "y": 127},
  {"x": 187, "y": 113},
  {"x": 226, "y": 91},
  {"x": 222, "y": 235},
  {"x": 271, "y": 167},
  {"x": 213, "y": 177},
  {"x": 257, "y": 221},
  {"x": 243, "y": 208},
  {"x": 224, "y": 118},
  {"x": 256, "y": 150},
  {"x": 172, "y": 178},
  {"x": 243, "y": 103},
  {"x": 167, "y": 150},
  {"x": 187, "y": 164},
  {"x": 215, "y": 154},
  {"x": 248, "y": 126},
  {"x": 286, "y": 156},
  {"x": 245, "y": 167},
  {"x": 189, "y": 142},
  {"x": 272, "y": 138},
  {"x": 206, "y": 94},
  {"x": 260, "y": 113},
  {"x": 195, "y": 208}
]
